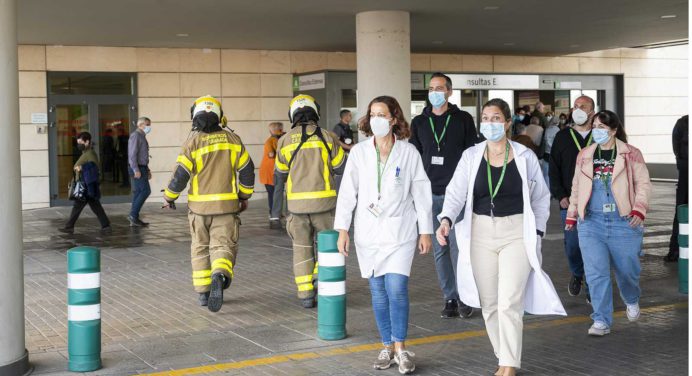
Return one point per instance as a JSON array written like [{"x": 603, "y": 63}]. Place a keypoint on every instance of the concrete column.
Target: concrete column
[
  {"x": 14, "y": 359},
  {"x": 383, "y": 45}
]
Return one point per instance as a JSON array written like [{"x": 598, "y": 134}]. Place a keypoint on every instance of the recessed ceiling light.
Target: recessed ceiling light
[
  {"x": 669, "y": 16},
  {"x": 509, "y": 44},
  {"x": 182, "y": 35},
  {"x": 491, "y": 7},
  {"x": 437, "y": 42}
]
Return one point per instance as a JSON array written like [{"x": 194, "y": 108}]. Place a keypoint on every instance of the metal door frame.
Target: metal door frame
[{"x": 92, "y": 102}]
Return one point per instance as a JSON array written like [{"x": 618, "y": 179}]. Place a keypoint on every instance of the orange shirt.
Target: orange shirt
[{"x": 266, "y": 171}]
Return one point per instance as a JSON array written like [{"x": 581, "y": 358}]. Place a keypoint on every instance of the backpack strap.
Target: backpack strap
[{"x": 304, "y": 137}]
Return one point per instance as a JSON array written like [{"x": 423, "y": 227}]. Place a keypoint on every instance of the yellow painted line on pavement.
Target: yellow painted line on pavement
[{"x": 377, "y": 346}]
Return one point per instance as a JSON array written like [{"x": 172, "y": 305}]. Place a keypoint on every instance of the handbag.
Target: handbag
[{"x": 76, "y": 189}]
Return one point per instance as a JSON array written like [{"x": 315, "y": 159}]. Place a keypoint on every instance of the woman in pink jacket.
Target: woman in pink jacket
[{"x": 610, "y": 197}]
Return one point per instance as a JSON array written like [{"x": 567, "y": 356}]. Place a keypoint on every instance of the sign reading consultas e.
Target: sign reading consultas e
[
  {"x": 310, "y": 82},
  {"x": 493, "y": 81}
]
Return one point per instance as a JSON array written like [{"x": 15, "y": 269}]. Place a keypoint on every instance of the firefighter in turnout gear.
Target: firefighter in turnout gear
[
  {"x": 307, "y": 159},
  {"x": 222, "y": 178}
]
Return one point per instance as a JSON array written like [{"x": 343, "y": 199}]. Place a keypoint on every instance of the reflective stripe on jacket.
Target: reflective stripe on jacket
[
  {"x": 310, "y": 186},
  {"x": 220, "y": 170}
]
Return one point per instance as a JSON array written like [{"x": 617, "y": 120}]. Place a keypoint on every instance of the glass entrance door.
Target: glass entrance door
[
  {"x": 71, "y": 120},
  {"x": 114, "y": 131}
]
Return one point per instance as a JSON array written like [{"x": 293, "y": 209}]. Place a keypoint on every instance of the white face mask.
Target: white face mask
[
  {"x": 579, "y": 116},
  {"x": 379, "y": 126},
  {"x": 493, "y": 131}
]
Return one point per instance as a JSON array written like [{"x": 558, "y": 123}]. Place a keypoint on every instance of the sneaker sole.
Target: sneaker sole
[
  {"x": 466, "y": 316},
  {"x": 382, "y": 367},
  {"x": 404, "y": 372},
  {"x": 633, "y": 319},
  {"x": 599, "y": 334},
  {"x": 215, "y": 295}
]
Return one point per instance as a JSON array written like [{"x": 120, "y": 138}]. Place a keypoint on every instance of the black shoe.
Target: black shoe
[
  {"x": 672, "y": 256},
  {"x": 308, "y": 302},
  {"x": 451, "y": 309},
  {"x": 588, "y": 298},
  {"x": 66, "y": 230},
  {"x": 216, "y": 294},
  {"x": 203, "y": 299},
  {"x": 574, "y": 286},
  {"x": 136, "y": 222},
  {"x": 106, "y": 230},
  {"x": 464, "y": 310},
  {"x": 275, "y": 224}
]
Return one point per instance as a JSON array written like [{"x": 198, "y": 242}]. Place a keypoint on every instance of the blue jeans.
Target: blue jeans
[
  {"x": 545, "y": 167},
  {"x": 390, "y": 305},
  {"x": 270, "y": 197},
  {"x": 572, "y": 250},
  {"x": 140, "y": 190},
  {"x": 607, "y": 238},
  {"x": 445, "y": 257}
]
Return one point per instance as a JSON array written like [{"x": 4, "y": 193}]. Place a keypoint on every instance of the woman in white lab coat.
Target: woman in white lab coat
[
  {"x": 501, "y": 186},
  {"x": 386, "y": 184}
]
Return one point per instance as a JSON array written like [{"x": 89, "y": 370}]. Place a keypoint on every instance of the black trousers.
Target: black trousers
[
  {"x": 95, "y": 206},
  {"x": 681, "y": 198}
]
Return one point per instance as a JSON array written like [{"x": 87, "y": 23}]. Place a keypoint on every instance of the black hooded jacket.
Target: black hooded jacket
[{"x": 461, "y": 135}]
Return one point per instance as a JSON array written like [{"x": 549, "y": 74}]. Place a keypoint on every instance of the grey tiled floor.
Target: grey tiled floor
[{"x": 151, "y": 322}]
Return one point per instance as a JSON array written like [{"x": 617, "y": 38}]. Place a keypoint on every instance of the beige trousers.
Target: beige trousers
[
  {"x": 303, "y": 229},
  {"x": 501, "y": 269},
  {"x": 214, "y": 247}
]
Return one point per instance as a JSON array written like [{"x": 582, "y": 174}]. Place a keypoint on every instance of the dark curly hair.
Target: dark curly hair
[{"x": 401, "y": 128}]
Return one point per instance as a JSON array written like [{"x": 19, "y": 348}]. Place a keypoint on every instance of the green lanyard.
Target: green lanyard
[
  {"x": 605, "y": 178},
  {"x": 380, "y": 170},
  {"x": 588, "y": 142},
  {"x": 432, "y": 128},
  {"x": 493, "y": 193}
]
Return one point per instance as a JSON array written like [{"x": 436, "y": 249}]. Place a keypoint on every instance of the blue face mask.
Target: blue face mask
[
  {"x": 147, "y": 129},
  {"x": 600, "y": 136},
  {"x": 493, "y": 131},
  {"x": 437, "y": 98}
]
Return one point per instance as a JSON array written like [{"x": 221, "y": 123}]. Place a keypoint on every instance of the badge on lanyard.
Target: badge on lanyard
[
  {"x": 609, "y": 208},
  {"x": 375, "y": 209},
  {"x": 438, "y": 160},
  {"x": 348, "y": 141}
]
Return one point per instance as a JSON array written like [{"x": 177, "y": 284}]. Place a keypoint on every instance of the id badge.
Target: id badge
[
  {"x": 375, "y": 210},
  {"x": 608, "y": 208},
  {"x": 348, "y": 141},
  {"x": 438, "y": 161}
]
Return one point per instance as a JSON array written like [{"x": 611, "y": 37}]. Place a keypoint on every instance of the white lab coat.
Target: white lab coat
[
  {"x": 541, "y": 297},
  {"x": 387, "y": 243}
]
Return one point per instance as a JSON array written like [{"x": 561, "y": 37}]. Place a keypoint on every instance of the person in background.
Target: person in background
[
  {"x": 441, "y": 134},
  {"x": 266, "y": 171},
  {"x": 393, "y": 217},
  {"x": 608, "y": 204},
  {"x": 539, "y": 112},
  {"x": 498, "y": 184},
  {"x": 517, "y": 121},
  {"x": 524, "y": 139},
  {"x": 343, "y": 130},
  {"x": 549, "y": 115},
  {"x": 548, "y": 139},
  {"x": 108, "y": 152},
  {"x": 527, "y": 111},
  {"x": 535, "y": 131},
  {"x": 138, "y": 160},
  {"x": 563, "y": 156},
  {"x": 87, "y": 167},
  {"x": 121, "y": 156},
  {"x": 345, "y": 134},
  {"x": 681, "y": 151},
  {"x": 563, "y": 121}
]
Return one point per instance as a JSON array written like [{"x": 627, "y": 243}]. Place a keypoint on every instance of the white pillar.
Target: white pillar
[
  {"x": 383, "y": 46},
  {"x": 14, "y": 359}
]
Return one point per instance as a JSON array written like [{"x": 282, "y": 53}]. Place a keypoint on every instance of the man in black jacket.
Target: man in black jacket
[
  {"x": 680, "y": 148},
  {"x": 441, "y": 134},
  {"x": 563, "y": 161}
]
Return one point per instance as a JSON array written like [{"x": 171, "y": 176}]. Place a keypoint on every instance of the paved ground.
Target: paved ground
[{"x": 151, "y": 322}]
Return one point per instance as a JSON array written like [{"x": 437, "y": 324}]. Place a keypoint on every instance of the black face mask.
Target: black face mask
[
  {"x": 206, "y": 122},
  {"x": 81, "y": 147}
]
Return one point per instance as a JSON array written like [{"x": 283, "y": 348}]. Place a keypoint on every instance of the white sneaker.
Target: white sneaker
[
  {"x": 405, "y": 361},
  {"x": 384, "y": 359},
  {"x": 599, "y": 329},
  {"x": 633, "y": 312}
]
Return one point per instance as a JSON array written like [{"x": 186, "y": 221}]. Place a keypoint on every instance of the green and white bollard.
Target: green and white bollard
[
  {"x": 683, "y": 242},
  {"x": 331, "y": 289},
  {"x": 84, "y": 309}
]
